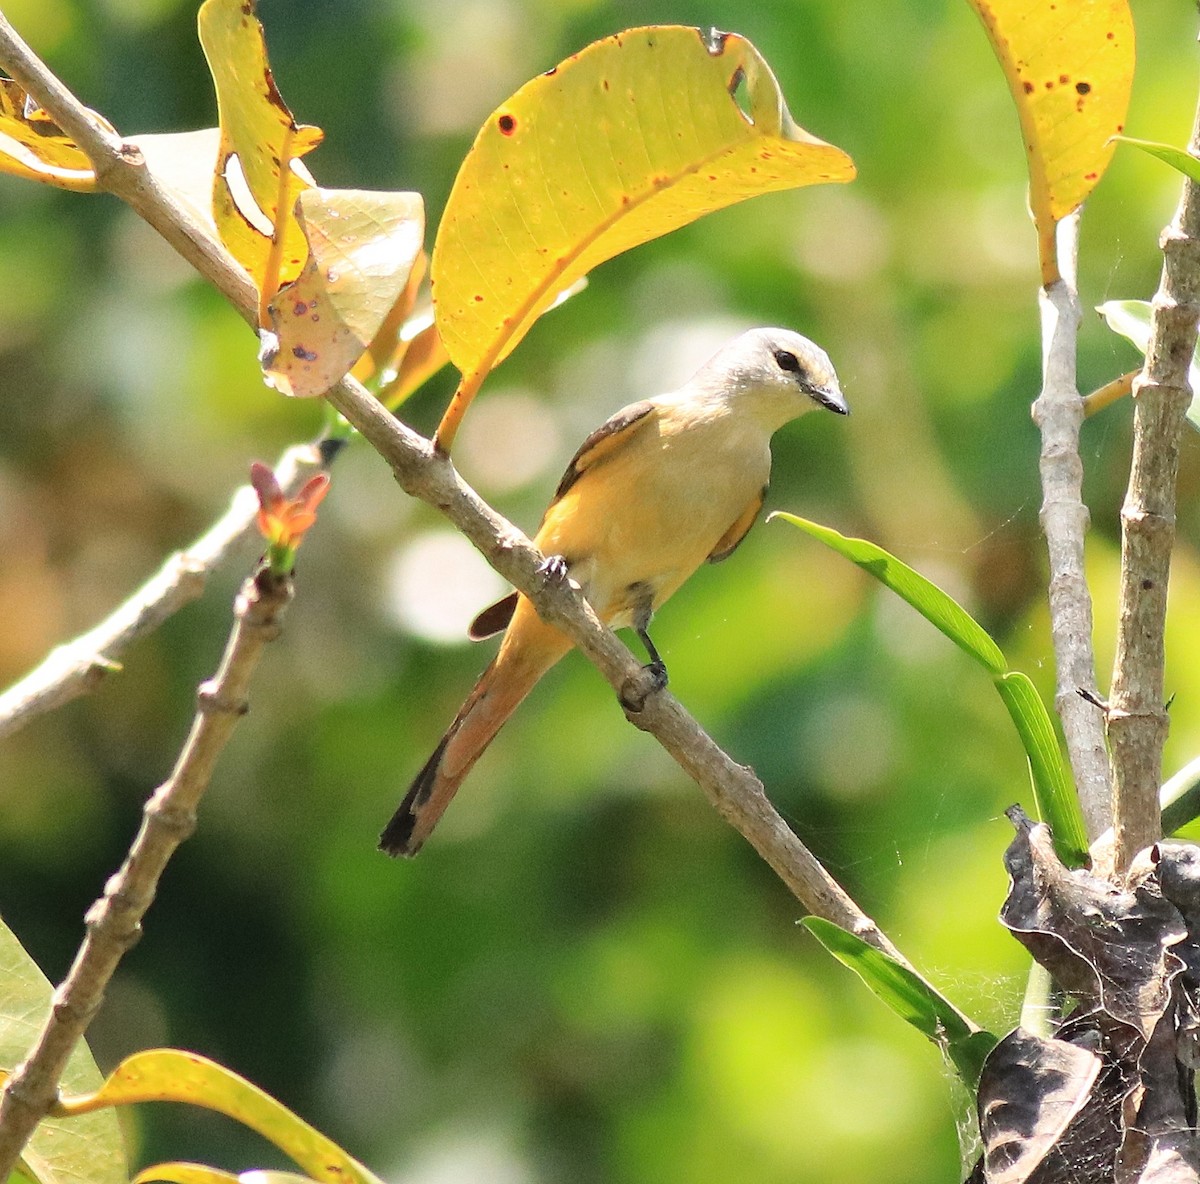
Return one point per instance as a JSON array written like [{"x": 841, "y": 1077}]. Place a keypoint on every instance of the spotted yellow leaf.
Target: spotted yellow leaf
[
  {"x": 634, "y": 136},
  {"x": 33, "y": 146},
  {"x": 258, "y": 175},
  {"x": 362, "y": 247},
  {"x": 1070, "y": 69}
]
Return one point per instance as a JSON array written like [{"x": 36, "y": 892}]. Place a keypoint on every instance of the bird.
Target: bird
[{"x": 662, "y": 486}]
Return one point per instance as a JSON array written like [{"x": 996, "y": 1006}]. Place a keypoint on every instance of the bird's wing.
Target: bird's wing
[
  {"x": 609, "y": 435},
  {"x": 731, "y": 539}
]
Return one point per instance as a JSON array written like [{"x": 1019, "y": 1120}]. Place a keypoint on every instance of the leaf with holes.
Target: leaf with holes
[
  {"x": 1070, "y": 70},
  {"x": 362, "y": 247},
  {"x": 634, "y": 136},
  {"x": 33, "y": 146},
  {"x": 259, "y": 174},
  {"x": 61, "y": 1150},
  {"x": 168, "y": 1075}
]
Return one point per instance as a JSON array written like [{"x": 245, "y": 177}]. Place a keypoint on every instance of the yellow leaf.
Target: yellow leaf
[
  {"x": 184, "y": 163},
  {"x": 168, "y": 1075},
  {"x": 419, "y": 357},
  {"x": 257, "y": 180},
  {"x": 183, "y": 1173},
  {"x": 1070, "y": 69},
  {"x": 634, "y": 136},
  {"x": 198, "y": 1173},
  {"x": 34, "y": 147},
  {"x": 361, "y": 250}
]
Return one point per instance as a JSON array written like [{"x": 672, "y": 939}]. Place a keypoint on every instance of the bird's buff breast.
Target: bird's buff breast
[{"x": 650, "y": 515}]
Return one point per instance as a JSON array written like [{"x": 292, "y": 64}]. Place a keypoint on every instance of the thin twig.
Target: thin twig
[
  {"x": 169, "y": 817},
  {"x": 1137, "y": 715},
  {"x": 79, "y": 666},
  {"x": 1108, "y": 394},
  {"x": 1058, "y": 412}
]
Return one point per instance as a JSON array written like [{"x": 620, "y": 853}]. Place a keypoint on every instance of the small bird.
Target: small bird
[{"x": 664, "y": 485}]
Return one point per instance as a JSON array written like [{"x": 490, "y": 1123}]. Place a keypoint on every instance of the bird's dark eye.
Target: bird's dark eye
[{"x": 787, "y": 361}]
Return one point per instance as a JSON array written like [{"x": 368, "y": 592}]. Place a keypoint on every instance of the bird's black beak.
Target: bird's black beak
[{"x": 829, "y": 397}]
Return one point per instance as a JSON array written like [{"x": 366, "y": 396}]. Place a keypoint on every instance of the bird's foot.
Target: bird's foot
[
  {"x": 554, "y": 569},
  {"x": 648, "y": 681}
]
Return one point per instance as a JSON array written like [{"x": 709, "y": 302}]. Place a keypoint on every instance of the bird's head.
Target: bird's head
[{"x": 783, "y": 373}]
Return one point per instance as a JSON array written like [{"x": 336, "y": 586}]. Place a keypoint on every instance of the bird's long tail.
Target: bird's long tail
[{"x": 497, "y": 694}]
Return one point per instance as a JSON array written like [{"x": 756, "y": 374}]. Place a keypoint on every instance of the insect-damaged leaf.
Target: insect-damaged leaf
[
  {"x": 1109, "y": 947},
  {"x": 362, "y": 246},
  {"x": 1037, "y": 1108},
  {"x": 33, "y": 146},
  {"x": 258, "y": 175},
  {"x": 168, "y": 1075},
  {"x": 634, "y": 136},
  {"x": 1070, "y": 70}
]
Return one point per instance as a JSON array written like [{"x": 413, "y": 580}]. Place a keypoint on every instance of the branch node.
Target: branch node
[{"x": 212, "y": 701}]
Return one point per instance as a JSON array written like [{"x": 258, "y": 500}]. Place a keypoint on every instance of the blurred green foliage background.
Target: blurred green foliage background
[{"x": 586, "y": 976}]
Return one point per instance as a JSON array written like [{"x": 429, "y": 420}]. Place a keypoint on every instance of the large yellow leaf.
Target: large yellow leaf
[
  {"x": 634, "y": 136},
  {"x": 257, "y": 179},
  {"x": 168, "y": 1075},
  {"x": 362, "y": 246},
  {"x": 1070, "y": 69},
  {"x": 33, "y": 146}
]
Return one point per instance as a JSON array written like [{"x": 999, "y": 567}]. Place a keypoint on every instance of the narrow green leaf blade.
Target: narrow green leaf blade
[
  {"x": 1057, "y": 802},
  {"x": 1189, "y": 166},
  {"x": 913, "y": 999},
  {"x": 926, "y": 597}
]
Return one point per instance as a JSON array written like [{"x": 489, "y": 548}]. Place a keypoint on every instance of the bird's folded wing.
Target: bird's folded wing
[{"x": 731, "y": 539}]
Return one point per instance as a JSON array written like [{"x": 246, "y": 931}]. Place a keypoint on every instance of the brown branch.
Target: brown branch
[
  {"x": 79, "y": 666},
  {"x": 169, "y": 817},
  {"x": 1137, "y": 716},
  {"x": 1058, "y": 412}
]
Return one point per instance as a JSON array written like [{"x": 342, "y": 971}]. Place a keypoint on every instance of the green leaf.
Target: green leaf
[
  {"x": 1056, "y": 800},
  {"x": 62, "y": 1150},
  {"x": 1177, "y": 158},
  {"x": 1131, "y": 319},
  {"x": 911, "y": 997},
  {"x": 1055, "y": 795},
  {"x": 927, "y": 598}
]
